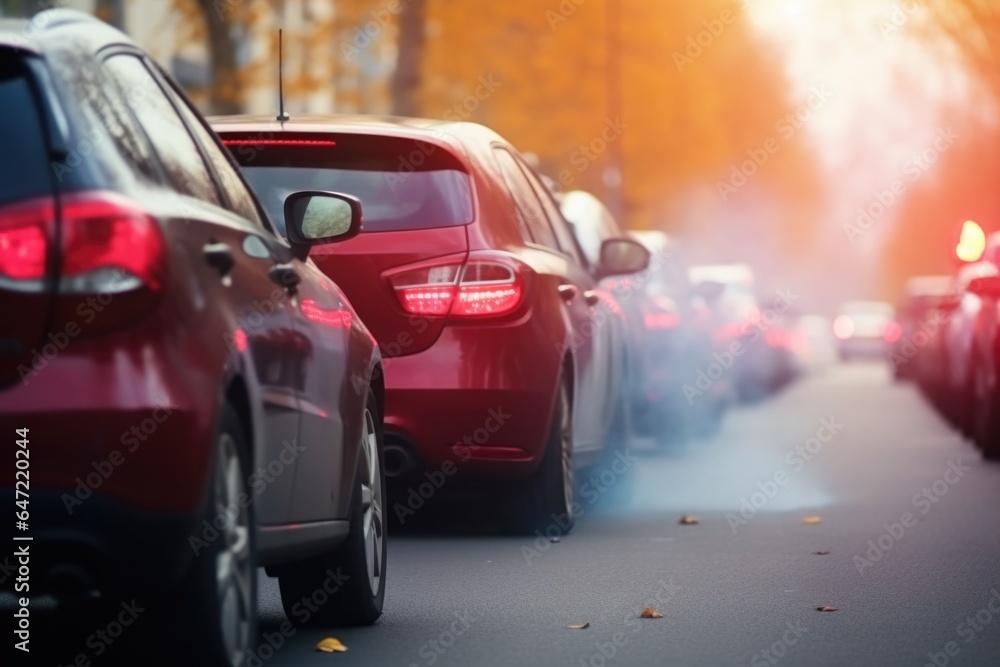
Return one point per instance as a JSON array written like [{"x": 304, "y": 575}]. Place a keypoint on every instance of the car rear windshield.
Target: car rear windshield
[
  {"x": 402, "y": 184},
  {"x": 23, "y": 161}
]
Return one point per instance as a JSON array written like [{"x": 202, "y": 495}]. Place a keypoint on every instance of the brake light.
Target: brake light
[
  {"x": 892, "y": 331},
  {"x": 279, "y": 142},
  {"x": 843, "y": 327},
  {"x": 111, "y": 261},
  {"x": 661, "y": 321},
  {"x": 481, "y": 287},
  {"x": 24, "y": 232},
  {"x": 109, "y": 245}
]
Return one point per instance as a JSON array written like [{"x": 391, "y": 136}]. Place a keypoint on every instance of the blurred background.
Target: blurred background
[{"x": 836, "y": 146}]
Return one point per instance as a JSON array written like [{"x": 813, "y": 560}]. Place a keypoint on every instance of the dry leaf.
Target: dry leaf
[
  {"x": 821, "y": 553},
  {"x": 331, "y": 645},
  {"x": 649, "y": 612},
  {"x": 826, "y": 607},
  {"x": 578, "y": 626},
  {"x": 812, "y": 520},
  {"x": 554, "y": 538},
  {"x": 688, "y": 520}
]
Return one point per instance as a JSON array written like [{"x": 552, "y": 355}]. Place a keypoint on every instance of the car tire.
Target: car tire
[
  {"x": 544, "y": 502},
  {"x": 355, "y": 569},
  {"x": 986, "y": 409},
  {"x": 216, "y": 604}
]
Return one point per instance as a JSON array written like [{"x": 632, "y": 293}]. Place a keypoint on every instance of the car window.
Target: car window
[
  {"x": 24, "y": 169},
  {"x": 241, "y": 201},
  {"x": 171, "y": 140},
  {"x": 565, "y": 238},
  {"x": 529, "y": 209},
  {"x": 403, "y": 184}
]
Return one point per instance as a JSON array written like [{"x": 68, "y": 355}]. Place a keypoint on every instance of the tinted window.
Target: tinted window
[
  {"x": 402, "y": 184},
  {"x": 565, "y": 238},
  {"x": 166, "y": 131},
  {"x": 24, "y": 162},
  {"x": 528, "y": 206},
  {"x": 241, "y": 201}
]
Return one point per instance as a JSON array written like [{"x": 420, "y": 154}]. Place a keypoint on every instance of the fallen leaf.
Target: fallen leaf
[
  {"x": 649, "y": 612},
  {"x": 331, "y": 645},
  {"x": 826, "y": 607},
  {"x": 554, "y": 538},
  {"x": 821, "y": 553},
  {"x": 578, "y": 626},
  {"x": 812, "y": 520},
  {"x": 688, "y": 520}
]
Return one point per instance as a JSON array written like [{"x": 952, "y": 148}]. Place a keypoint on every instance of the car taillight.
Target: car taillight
[
  {"x": 892, "y": 331},
  {"x": 111, "y": 260},
  {"x": 480, "y": 287},
  {"x": 24, "y": 240},
  {"x": 843, "y": 327},
  {"x": 109, "y": 246}
]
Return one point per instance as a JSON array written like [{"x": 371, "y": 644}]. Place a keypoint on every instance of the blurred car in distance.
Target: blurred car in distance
[
  {"x": 815, "y": 349},
  {"x": 499, "y": 362},
  {"x": 919, "y": 321},
  {"x": 681, "y": 397},
  {"x": 865, "y": 329},
  {"x": 750, "y": 335},
  {"x": 146, "y": 437}
]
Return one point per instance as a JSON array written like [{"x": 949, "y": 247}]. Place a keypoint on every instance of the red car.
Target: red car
[
  {"x": 183, "y": 395},
  {"x": 498, "y": 362}
]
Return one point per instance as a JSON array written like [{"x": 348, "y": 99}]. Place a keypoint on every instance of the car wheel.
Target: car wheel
[
  {"x": 352, "y": 576},
  {"x": 986, "y": 410},
  {"x": 544, "y": 502},
  {"x": 216, "y": 604}
]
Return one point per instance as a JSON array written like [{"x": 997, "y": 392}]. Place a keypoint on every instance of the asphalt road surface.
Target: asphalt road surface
[{"x": 907, "y": 548}]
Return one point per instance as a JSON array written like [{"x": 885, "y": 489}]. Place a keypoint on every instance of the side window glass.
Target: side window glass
[
  {"x": 242, "y": 202},
  {"x": 186, "y": 170},
  {"x": 528, "y": 206},
  {"x": 565, "y": 237}
]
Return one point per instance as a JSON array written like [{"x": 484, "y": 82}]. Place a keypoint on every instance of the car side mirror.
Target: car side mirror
[
  {"x": 315, "y": 217},
  {"x": 622, "y": 256},
  {"x": 708, "y": 290},
  {"x": 986, "y": 286}
]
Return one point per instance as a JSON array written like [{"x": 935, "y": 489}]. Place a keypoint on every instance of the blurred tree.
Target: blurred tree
[
  {"x": 224, "y": 95},
  {"x": 698, "y": 91},
  {"x": 973, "y": 27},
  {"x": 406, "y": 77}
]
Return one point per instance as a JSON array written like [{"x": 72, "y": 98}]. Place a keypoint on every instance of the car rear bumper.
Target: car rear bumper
[
  {"x": 479, "y": 399},
  {"x": 104, "y": 545},
  {"x": 136, "y": 429}
]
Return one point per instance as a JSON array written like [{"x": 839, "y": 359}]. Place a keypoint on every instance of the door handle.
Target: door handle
[
  {"x": 592, "y": 298},
  {"x": 285, "y": 275},
  {"x": 568, "y": 292},
  {"x": 220, "y": 257}
]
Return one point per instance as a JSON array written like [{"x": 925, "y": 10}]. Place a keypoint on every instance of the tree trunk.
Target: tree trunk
[
  {"x": 224, "y": 95},
  {"x": 406, "y": 78}
]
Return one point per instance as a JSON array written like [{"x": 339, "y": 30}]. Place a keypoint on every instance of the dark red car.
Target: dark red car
[
  {"x": 472, "y": 282},
  {"x": 183, "y": 395}
]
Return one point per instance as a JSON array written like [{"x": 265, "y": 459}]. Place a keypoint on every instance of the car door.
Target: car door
[
  {"x": 321, "y": 320},
  {"x": 588, "y": 342},
  {"x": 230, "y": 257}
]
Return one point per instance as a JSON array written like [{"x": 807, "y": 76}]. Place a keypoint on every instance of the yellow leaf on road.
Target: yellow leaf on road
[
  {"x": 688, "y": 520},
  {"x": 812, "y": 520},
  {"x": 649, "y": 612},
  {"x": 578, "y": 626},
  {"x": 331, "y": 645}
]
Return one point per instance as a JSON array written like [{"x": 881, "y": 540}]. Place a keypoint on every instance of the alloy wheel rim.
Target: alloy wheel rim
[
  {"x": 232, "y": 563},
  {"x": 372, "y": 503}
]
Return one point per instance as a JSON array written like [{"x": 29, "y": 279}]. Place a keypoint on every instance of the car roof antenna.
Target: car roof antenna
[{"x": 282, "y": 116}]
